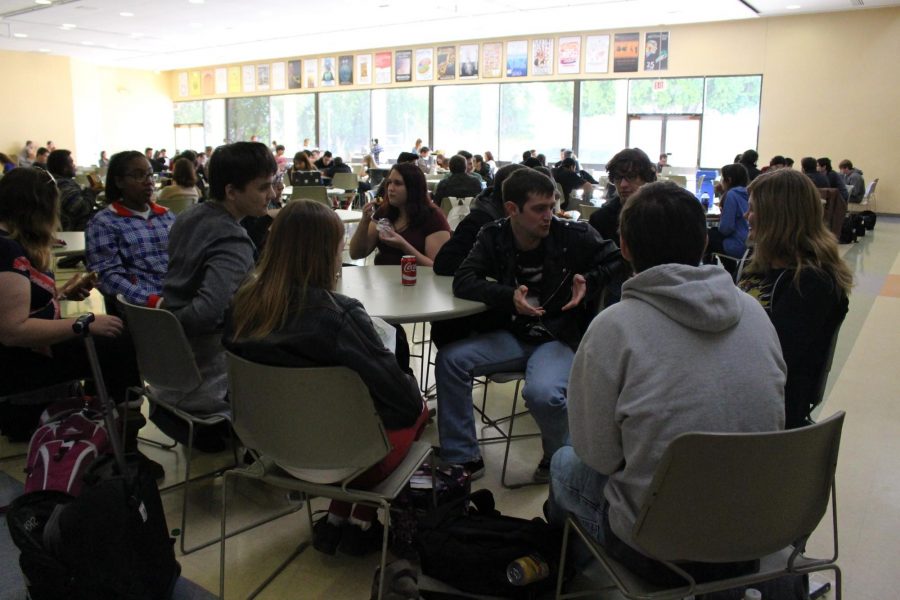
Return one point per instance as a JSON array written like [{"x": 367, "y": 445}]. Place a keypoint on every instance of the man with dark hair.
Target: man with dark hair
[
  {"x": 324, "y": 162},
  {"x": 543, "y": 278},
  {"x": 40, "y": 158},
  {"x": 823, "y": 166},
  {"x": 568, "y": 178},
  {"x": 788, "y": 162},
  {"x": 458, "y": 184},
  {"x": 470, "y": 165},
  {"x": 854, "y": 178},
  {"x": 407, "y": 157},
  {"x": 635, "y": 384},
  {"x": 628, "y": 171},
  {"x": 76, "y": 204},
  {"x": 777, "y": 162},
  {"x": 210, "y": 254},
  {"x": 337, "y": 166},
  {"x": 148, "y": 152},
  {"x": 808, "y": 164},
  {"x": 160, "y": 162},
  {"x": 748, "y": 159},
  {"x": 425, "y": 160}
]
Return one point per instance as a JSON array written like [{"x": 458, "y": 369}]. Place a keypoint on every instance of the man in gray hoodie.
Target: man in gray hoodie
[
  {"x": 684, "y": 350},
  {"x": 853, "y": 177}
]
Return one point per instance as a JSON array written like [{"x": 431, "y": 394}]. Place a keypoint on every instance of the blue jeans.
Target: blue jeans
[
  {"x": 546, "y": 368},
  {"x": 576, "y": 488}
]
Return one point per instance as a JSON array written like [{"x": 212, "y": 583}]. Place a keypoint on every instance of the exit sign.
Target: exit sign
[{"x": 659, "y": 85}]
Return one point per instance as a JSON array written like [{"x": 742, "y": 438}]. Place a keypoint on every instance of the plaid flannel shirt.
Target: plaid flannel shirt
[{"x": 129, "y": 252}]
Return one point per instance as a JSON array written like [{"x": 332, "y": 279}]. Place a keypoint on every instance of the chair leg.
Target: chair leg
[
  {"x": 562, "y": 560},
  {"x": 384, "y": 548},
  {"x": 509, "y": 439}
]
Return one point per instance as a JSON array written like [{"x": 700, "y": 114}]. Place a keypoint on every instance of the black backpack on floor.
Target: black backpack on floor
[
  {"x": 848, "y": 232},
  {"x": 868, "y": 218}
]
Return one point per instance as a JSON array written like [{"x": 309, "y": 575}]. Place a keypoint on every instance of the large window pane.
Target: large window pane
[
  {"x": 344, "y": 123},
  {"x": 189, "y": 113},
  {"x": 248, "y": 117},
  {"x": 466, "y": 118},
  {"x": 293, "y": 119},
  {"x": 601, "y": 130},
  {"x": 536, "y": 115},
  {"x": 675, "y": 96},
  {"x": 214, "y": 122},
  {"x": 730, "y": 118},
  {"x": 399, "y": 117}
]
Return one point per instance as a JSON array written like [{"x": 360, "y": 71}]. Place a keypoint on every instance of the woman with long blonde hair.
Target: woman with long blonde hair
[
  {"x": 800, "y": 279},
  {"x": 288, "y": 314}
]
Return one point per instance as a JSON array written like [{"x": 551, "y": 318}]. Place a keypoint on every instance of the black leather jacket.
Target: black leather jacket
[{"x": 570, "y": 248}]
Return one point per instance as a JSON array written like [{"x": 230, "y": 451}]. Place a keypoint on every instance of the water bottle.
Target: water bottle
[
  {"x": 704, "y": 201},
  {"x": 383, "y": 225},
  {"x": 527, "y": 569},
  {"x": 752, "y": 594}
]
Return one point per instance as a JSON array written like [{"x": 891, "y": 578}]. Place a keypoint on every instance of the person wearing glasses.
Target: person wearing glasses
[
  {"x": 127, "y": 241},
  {"x": 628, "y": 171},
  {"x": 76, "y": 203},
  {"x": 542, "y": 278}
]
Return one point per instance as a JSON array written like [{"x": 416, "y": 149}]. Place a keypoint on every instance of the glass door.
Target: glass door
[{"x": 677, "y": 135}]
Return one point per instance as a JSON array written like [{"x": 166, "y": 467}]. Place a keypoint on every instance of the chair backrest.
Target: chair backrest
[
  {"x": 306, "y": 418},
  {"x": 376, "y": 176},
  {"x": 164, "y": 356},
  {"x": 727, "y": 497},
  {"x": 871, "y": 191},
  {"x": 700, "y": 181},
  {"x": 319, "y": 193},
  {"x": 345, "y": 181},
  {"x": 586, "y": 210},
  {"x": 177, "y": 203},
  {"x": 826, "y": 367},
  {"x": 299, "y": 178}
]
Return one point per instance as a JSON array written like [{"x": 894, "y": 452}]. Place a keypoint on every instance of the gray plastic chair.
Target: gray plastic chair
[
  {"x": 311, "y": 418},
  {"x": 318, "y": 193},
  {"x": 730, "y": 497}
]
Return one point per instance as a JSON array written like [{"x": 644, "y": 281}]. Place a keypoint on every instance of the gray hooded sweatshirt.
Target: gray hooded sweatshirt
[{"x": 684, "y": 350}]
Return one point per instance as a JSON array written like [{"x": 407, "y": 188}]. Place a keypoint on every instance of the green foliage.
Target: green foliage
[
  {"x": 344, "y": 122},
  {"x": 683, "y": 95},
  {"x": 730, "y": 95},
  {"x": 248, "y": 117},
  {"x": 598, "y": 98},
  {"x": 189, "y": 113}
]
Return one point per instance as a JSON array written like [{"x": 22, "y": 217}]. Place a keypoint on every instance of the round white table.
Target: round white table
[
  {"x": 349, "y": 216},
  {"x": 379, "y": 289},
  {"x": 74, "y": 243}
]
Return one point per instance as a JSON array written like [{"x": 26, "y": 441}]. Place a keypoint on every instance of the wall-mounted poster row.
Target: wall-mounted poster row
[{"x": 568, "y": 55}]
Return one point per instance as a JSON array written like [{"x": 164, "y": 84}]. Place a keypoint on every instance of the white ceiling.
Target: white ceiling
[{"x": 173, "y": 34}]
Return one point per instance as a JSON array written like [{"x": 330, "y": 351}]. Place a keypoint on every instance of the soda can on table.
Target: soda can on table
[{"x": 408, "y": 270}]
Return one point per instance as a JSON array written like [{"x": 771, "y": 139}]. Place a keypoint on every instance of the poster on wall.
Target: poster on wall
[
  {"x": 403, "y": 68},
  {"x": 656, "y": 51},
  {"x": 493, "y": 60},
  {"x": 234, "y": 80},
  {"x": 446, "y": 62},
  {"x": 183, "y": 88},
  {"x": 208, "y": 82},
  {"x": 424, "y": 64},
  {"x": 278, "y": 75},
  {"x": 248, "y": 78},
  {"x": 328, "y": 78},
  {"x": 345, "y": 70},
  {"x": 542, "y": 56},
  {"x": 263, "y": 77},
  {"x": 596, "y": 54},
  {"x": 468, "y": 61},
  {"x": 383, "y": 67},
  {"x": 625, "y": 52},
  {"x": 364, "y": 69},
  {"x": 294, "y": 74},
  {"x": 221, "y": 80},
  {"x": 195, "y": 84},
  {"x": 569, "y": 55},
  {"x": 311, "y": 73},
  {"x": 517, "y": 58}
]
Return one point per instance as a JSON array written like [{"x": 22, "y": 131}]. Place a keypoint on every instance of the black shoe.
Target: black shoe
[
  {"x": 475, "y": 469},
  {"x": 357, "y": 542},
  {"x": 326, "y": 536},
  {"x": 542, "y": 473},
  {"x": 154, "y": 468}
]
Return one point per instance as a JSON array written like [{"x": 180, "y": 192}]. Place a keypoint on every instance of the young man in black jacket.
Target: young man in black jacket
[{"x": 544, "y": 277}]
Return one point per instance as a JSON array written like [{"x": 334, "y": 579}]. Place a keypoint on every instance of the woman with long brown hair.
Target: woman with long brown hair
[
  {"x": 288, "y": 314},
  {"x": 417, "y": 226},
  {"x": 800, "y": 279}
]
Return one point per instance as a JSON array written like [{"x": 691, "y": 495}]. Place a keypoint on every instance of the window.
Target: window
[
  {"x": 293, "y": 119},
  {"x": 665, "y": 96},
  {"x": 248, "y": 117},
  {"x": 344, "y": 119},
  {"x": 730, "y": 118},
  {"x": 214, "y": 122},
  {"x": 536, "y": 115},
  {"x": 466, "y": 117},
  {"x": 399, "y": 117},
  {"x": 602, "y": 119},
  {"x": 189, "y": 113}
]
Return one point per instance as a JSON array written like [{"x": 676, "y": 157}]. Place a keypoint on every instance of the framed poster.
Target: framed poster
[
  {"x": 328, "y": 78},
  {"x": 295, "y": 74},
  {"x": 569, "y": 55},
  {"x": 492, "y": 62},
  {"x": 424, "y": 64},
  {"x": 183, "y": 88},
  {"x": 263, "y": 77},
  {"x": 345, "y": 70},
  {"x": 626, "y": 47},
  {"x": 278, "y": 75},
  {"x": 446, "y": 62},
  {"x": 542, "y": 56},
  {"x": 517, "y": 58},
  {"x": 311, "y": 73},
  {"x": 248, "y": 78},
  {"x": 221, "y": 80},
  {"x": 195, "y": 84},
  {"x": 656, "y": 51},
  {"x": 364, "y": 69},
  {"x": 468, "y": 61},
  {"x": 383, "y": 67},
  {"x": 403, "y": 66},
  {"x": 234, "y": 80},
  {"x": 596, "y": 54},
  {"x": 208, "y": 82}
]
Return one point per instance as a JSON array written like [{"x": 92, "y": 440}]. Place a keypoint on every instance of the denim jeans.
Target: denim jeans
[
  {"x": 546, "y": 368},
  {"x": 576, "y": 488}
]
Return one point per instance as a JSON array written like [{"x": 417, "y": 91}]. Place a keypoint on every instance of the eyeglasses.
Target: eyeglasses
[
  {"x": 140, "y": 176},
  {"x": 618, "y": 177}
]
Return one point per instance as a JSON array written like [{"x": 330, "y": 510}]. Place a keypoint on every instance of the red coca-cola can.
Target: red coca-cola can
[{"x": 408, "y": 270}]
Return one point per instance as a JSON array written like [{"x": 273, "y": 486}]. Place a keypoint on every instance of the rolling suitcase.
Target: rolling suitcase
[{"x": 112, "y": 540}]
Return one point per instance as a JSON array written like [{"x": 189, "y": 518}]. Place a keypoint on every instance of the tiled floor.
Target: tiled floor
[{"x": 864, "y": 382}]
